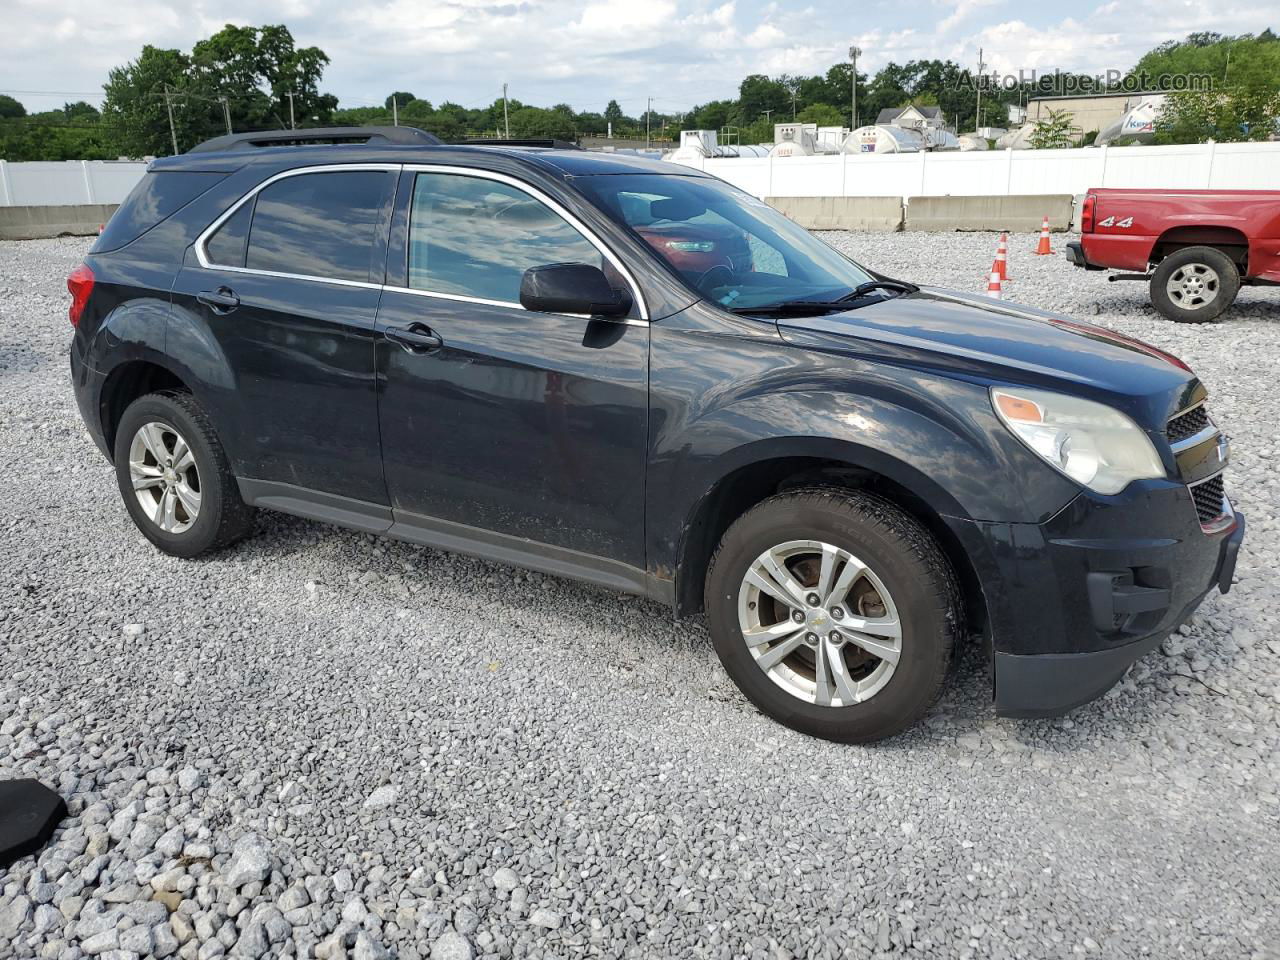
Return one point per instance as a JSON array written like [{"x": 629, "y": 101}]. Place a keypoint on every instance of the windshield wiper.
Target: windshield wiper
[
  {"x": 862, "y": 289},
  {"x": 813, "y": 307}
]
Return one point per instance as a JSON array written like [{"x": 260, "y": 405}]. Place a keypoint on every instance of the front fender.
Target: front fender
[{"x": 719, "y": 409}]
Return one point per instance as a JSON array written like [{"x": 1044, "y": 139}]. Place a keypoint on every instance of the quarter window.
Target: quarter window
[
  {"x": 475, "y": 237},
  {"x": 314, "y": 224},
  {"x": 227, "y": 245}
]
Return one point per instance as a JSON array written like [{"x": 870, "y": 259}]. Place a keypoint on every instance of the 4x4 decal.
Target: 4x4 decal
[{"x": 1113, "y": 222}]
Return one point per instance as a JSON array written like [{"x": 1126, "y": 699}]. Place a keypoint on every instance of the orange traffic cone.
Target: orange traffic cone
[
  {"x": 101, "y": 227},
  {"x": 1044, "y": 247},
  {"x": 1002, "y": 256},
  {"x": 993, "y": 282}
]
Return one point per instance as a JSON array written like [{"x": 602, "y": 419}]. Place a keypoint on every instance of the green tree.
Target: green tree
[
  {"x": 135, "y": 107},
  {"x": 248, "y": 72},
  {"x": 823, "y": 114},
  {"x": 10, "y": 108},
  {"x": 1053, "y": 132},
  {"x": 400, "y": 97}
]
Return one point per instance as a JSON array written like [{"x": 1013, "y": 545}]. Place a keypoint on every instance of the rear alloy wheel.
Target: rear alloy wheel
[
  {"x": 835, "y": 612},
  {"x": 1195, "y": 284},
  {"x": 165, "y": 478},
  {"x": 175, "y": 477}
]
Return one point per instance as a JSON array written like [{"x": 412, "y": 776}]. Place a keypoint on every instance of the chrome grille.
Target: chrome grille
[
  {"x": 1210, "y": 499},
  {"x": 1188, "y": 424}
]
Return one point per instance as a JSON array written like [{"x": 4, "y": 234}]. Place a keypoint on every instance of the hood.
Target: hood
[{"x": 994, "y": 341}]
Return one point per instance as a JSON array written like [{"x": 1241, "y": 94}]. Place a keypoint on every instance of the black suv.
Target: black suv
[{"x": 634, "y": 374}]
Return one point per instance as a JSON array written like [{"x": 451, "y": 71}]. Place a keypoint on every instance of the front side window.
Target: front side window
[
  {"x": 475, "y": 237},
  {"x": 313, "y": 225},
  {"x": 725, "y": 244}
]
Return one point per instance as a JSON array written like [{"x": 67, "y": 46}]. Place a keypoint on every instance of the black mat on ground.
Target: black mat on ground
[{"x": 29, "y": 813}]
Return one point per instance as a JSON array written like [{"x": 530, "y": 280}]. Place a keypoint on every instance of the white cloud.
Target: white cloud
[{"x": 679, "y": 51}]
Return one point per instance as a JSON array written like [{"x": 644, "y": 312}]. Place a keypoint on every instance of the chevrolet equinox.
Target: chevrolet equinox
[{"x": 630, "y": 373}]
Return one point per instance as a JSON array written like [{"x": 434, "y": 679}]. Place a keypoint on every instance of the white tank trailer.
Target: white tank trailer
[
  {"x": 794, "y": 140},
  {"x": 1137, "y": 125},
  {"x": 703, "y": 144},
  {"x": 883, "y": 138}
]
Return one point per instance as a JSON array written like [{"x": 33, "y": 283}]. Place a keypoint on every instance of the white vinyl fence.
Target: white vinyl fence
[
  {"x": 61, "y": 183},
  {"x": 1223, "y": 166}
]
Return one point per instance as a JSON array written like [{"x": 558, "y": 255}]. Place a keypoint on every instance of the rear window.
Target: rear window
[{"x": 157, "y": 197}]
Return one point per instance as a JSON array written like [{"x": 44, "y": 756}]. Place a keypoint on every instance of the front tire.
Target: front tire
[
  {"x": 835, "y": 612},
  {"x": 1195, "y": 284},
  {"x": 175, "y": 478}
]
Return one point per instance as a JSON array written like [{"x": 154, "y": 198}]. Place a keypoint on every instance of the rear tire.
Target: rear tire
[
  {"x": 1195, "y": 284},
  {"x": 821, "y": 537},
  {"x": 175, "y": 478}
]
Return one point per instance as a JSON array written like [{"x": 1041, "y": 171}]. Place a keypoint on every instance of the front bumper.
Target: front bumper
[
  {"x": 1072, "y": 602},
  {"x": 1046, "y": 685}
]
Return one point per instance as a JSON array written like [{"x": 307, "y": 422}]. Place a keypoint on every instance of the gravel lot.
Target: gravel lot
[{"x": 322, "y": 744}]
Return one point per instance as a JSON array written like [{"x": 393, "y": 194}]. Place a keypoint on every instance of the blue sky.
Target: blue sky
[{"x": 680, "y": 52}]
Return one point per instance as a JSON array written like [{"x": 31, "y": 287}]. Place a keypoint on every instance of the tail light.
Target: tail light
[
  {"x": 80, "y": 283},
  {"x": 1086, "y": 213}
]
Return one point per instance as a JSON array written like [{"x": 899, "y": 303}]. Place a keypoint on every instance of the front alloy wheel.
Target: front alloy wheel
[
  {"x": 819, "y": 623},
  {"x": 834, "y": 611}
]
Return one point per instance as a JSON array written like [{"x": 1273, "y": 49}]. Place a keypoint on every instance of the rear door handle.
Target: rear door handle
[
  {"x": 415, "y": 338},
  {"x": 220, "y": 301}
]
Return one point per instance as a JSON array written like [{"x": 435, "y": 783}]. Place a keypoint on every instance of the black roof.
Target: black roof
[
  {"x": 275, "y": 138},
  {"x": 228, "y": 154}
]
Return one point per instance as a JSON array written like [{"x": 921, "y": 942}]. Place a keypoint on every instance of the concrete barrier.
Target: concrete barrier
[
  {"x": 989, "y": 213},
  {"x": 34, "y": 223},
  {"x": 842, "y": 213}
]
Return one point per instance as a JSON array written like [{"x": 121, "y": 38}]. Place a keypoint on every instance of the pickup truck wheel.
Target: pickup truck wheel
[
  {"x": 175, "y": 478},
  {"x": 1195, "y": 284},
  {"x": 834, "y": 612}
]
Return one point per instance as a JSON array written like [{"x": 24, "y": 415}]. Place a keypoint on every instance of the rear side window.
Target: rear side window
[
  {"x": 317, "y": 224},
  {"x": 155, "y": 198},
  {"x": 474, "y": 237}
]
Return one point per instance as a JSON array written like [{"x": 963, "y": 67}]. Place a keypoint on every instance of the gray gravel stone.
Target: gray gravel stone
[
  {"x": 250, "y": 862},
  {"x": 452, "y": 946}
]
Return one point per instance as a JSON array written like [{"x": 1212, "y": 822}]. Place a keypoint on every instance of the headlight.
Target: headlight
[{"x": 1091, "y": 443}]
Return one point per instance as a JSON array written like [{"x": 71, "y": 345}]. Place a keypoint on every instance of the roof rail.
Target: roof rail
[
  {"x": 411, "y": 136},
  {"x": 522, "y": 142}
]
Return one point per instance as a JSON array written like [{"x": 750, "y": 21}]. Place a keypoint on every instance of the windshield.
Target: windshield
[{"x": 726, "y": 244}]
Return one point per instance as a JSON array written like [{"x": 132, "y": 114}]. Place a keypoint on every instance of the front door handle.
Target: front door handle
[
  {"x": 415, "y": 338},
  {"x": 221, "y": 301}
]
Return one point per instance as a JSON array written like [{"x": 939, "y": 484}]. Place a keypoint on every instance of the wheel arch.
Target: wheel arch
[
  {"x": 818, "y": 464},
  {"x": 1231, "y": 241},
  {"x": 126, "y": 383}
]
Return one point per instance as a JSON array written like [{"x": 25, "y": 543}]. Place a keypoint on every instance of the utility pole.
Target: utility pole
[
  {"x": 977, "y": 110},
  {"x": 226, "y": 113},
  {"x": 648, "y": 112},
  {"x": 173, "y": 134},
  {"x": 766, "y": 114},
  {"x": 292, "y": 125},
  {"x": 795, "y": 92},
  {"x": 506, "y": 119},
  {"x": 853, "y": 87},
  {"x": 395, "y": 112}
]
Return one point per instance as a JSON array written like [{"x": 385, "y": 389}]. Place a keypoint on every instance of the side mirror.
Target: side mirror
[{"x": 572, "y": 288}]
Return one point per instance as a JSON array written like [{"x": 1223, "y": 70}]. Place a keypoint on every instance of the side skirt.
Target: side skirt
[{"x": 455, "y": 537}]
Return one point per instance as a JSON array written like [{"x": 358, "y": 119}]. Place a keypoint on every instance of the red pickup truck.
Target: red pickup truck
[{"x": 1197, "y": 247}]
